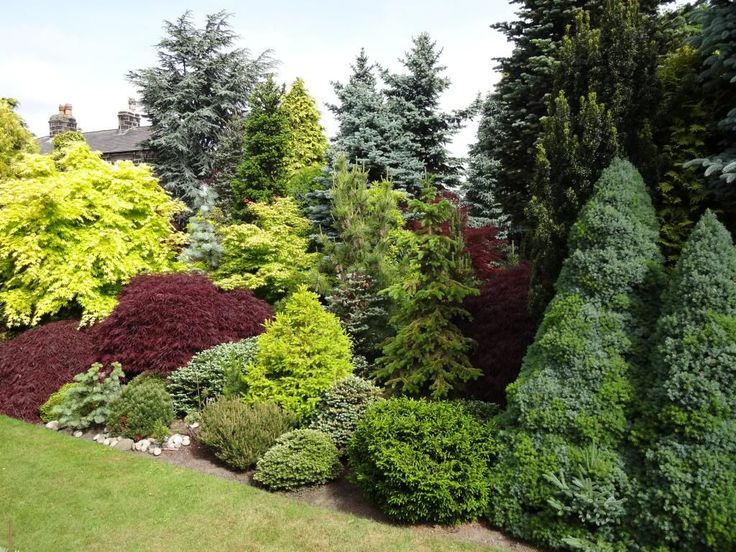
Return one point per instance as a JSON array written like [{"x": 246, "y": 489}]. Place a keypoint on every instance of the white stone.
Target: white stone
[
  {"x": 176, "y": 439},
  {"x": 106, "y": 441},
  {"x": 54, "y": 424},
  {"x": 185, "y": 440},
  {"x": 145, "y": 443},
  {"x": 156, "y": 451},
  {"x": 96, "y": 438},
  {"x": 77, "y": 433},
  {"x": 195, "y": 425}
]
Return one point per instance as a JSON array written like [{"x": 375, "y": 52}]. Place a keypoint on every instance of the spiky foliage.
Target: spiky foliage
[
  {"x": 422, "y": 131},
  {"x": 40, "y": 361},
  {"x": 690, "y": 462},
  {"x": 364, "y": 125},
  {"x": 560, "y": 474},
  {"x": 76, "y": 230},
  {"x": 143, "y": 406},
  {"x": 15, "y": 138},
  {"x": 303, "y": 352},
  {"x": 261, "y": 175},
  {"x": 306, "y": 143},
  {"x": 429, "y": 354},
  {"x": 201, "y": 83},
  {"x": 268, "y": 255},
  {"x": 203, "y": 250},
  {"x": 162, "y": 320}
]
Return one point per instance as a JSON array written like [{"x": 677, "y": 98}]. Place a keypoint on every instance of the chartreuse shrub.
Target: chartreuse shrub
[
  {"x": 15, "y": 138},
  {"x": 142, "y": 408},
  {"x": 269, "y": 254},
  {"x": 240, "y": 433},
  {"x": 299, "y": 458},
  {"x": 422, "y": 461},
  {"x": 56, "y": 399},
  {"x": 75, "y": 230},
  {"x": 341, "y": 406},
  {"x": 205, "y": 377},
  {"x": 688, "y": 480},
  {"x": 302, "y": 353},
  {"x": 88, "y": 401},
  {"x": 559, "y": 476}
]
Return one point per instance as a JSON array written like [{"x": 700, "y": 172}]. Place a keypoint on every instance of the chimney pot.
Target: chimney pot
[{"x": 63, "y": 121}]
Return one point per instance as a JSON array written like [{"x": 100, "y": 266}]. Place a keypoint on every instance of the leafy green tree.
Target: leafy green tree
[
  {"x": 15, "y": 138},
  {"x": 364, "y": 124},
  {"x": 260, "y": 177},
  {"x": 201, "y": 83},
  {"x": 689, "y": 471},
  {"x": 421, "y": 131},
  {"x": 75, "y": 230},
  {"x": 560, "y": 476},
  {"x": 303, "y": 353},
  {"x": 268, "y": 255},
  {"x": 307, "y": 143},
  {"x": 429, "y": 354}
]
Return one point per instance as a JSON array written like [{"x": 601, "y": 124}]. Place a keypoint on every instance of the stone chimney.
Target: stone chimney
[
  {"x": 130, "y": 118},
  {"x": 63, "y": 121}
]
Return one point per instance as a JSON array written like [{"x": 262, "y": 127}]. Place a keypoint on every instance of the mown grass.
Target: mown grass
[{"x": 59, "y": 493}]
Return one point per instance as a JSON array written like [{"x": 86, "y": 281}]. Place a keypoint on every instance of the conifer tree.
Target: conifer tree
[
  {"x": 364, "y": 125},
  {"x": 306, "y": 143},
  {"x": 199, "y": 85},
  {"x": 261, "y": 175},
  {"x": 689, "y": 473},
  {"x": 422, "y": 131},
  {"x": 429, "y": 354}
]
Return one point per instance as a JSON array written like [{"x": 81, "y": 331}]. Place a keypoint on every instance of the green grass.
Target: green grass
[{"x": 61, "y": 493}]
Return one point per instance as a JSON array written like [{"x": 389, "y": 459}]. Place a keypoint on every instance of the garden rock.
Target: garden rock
[
  {"x": 54, "y": 424},
  {"x": 78, "y": 433},
  {"x": 156, "y": 451},
  {"x": 124, "y": 444}
]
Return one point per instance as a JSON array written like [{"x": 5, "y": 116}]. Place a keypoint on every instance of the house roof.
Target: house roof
[{"x": 108, "y": 141}]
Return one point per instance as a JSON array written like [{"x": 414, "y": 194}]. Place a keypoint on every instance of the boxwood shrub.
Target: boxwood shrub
[
  {"x": 299, "y": 458},
  {"x": 422, "y": 462},
  {"x": 143, "y": 407},
  {"x": 240, "y": 433}
]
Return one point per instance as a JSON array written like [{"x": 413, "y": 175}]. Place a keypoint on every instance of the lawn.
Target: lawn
[{"x": 60, "y": 493}]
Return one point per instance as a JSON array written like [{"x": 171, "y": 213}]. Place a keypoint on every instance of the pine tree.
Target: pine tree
[
  {"x": 429, "y": 354},
  {"x": 15, "y": 138},
  {"x": 199, "y": 85},
  {"x": 204, "y": 249},
  {"x": 307, "y": 143},
  {"x": 364, "y": 125},
  {"x": 689, "y": 472},
  {"x": 260, "y": 176},
  {"x": 421, "y": 130}
]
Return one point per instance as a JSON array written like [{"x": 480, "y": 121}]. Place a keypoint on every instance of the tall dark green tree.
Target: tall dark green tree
[
  {"x": 201, "y": 83},
  {"x": 262, "y": 173},
  {"x": 421, "y": 130},
  {"x": 429, "y": 354},
  {"x": 364, "y": 125}
]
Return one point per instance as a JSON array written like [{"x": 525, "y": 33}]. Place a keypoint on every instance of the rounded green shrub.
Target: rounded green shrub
[
  {"x": 141, "y": 409},
  {"x": 303, "y": 352},
  {"x": 205, "y": 377},
  {"x": 299, "y": 458},
  {"x": 240, "y": 433},
  {"x": 46, "y": 409},
  {"x": 339, "y": 408},
  {"x": 422, "y": 461}
]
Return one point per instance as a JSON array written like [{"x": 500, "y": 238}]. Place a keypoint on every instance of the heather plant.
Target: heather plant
[
  {"x": 75, "y": 230},
  {"x": 300, "y": 458},
  {"x": 421, "y": 461},
  {"x": 340, "y": 408},
  {"x": 240, "y": 433},
  {"x": 38, "y": 362},
  {"x": 206, "y": 376},
  {"x": 143, "y": 408},
  {"x": 303, "y": 352},
  {"x": 162, "y": 320},
  {"x": 687, "y": 481},
  {"x": 57, "y": 398},
  {"x": 88, "y": 402},
  {"x": 559, "y": 473}
]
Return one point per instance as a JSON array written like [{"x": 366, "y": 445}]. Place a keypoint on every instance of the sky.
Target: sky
[{"x": 79, "y": 52}]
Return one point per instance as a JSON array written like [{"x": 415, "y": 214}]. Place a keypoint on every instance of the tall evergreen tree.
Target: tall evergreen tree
[
  {"x": 307, "y": 143},
  {"x": 364, "y": 124},
  {"x": 261, "y": 175},
  {"x": 422, "y": 131},
  {"x": 429, "y": 354},
  {"x": 199, "y": 85}
]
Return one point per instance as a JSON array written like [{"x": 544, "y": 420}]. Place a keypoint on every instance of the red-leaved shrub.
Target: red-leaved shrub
[
  {"x": 37, "y": 362},
  {"x": 486, "y": 250},
  {"x": 503, "y": 329},
  {"x": 162, "y": 320}
]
